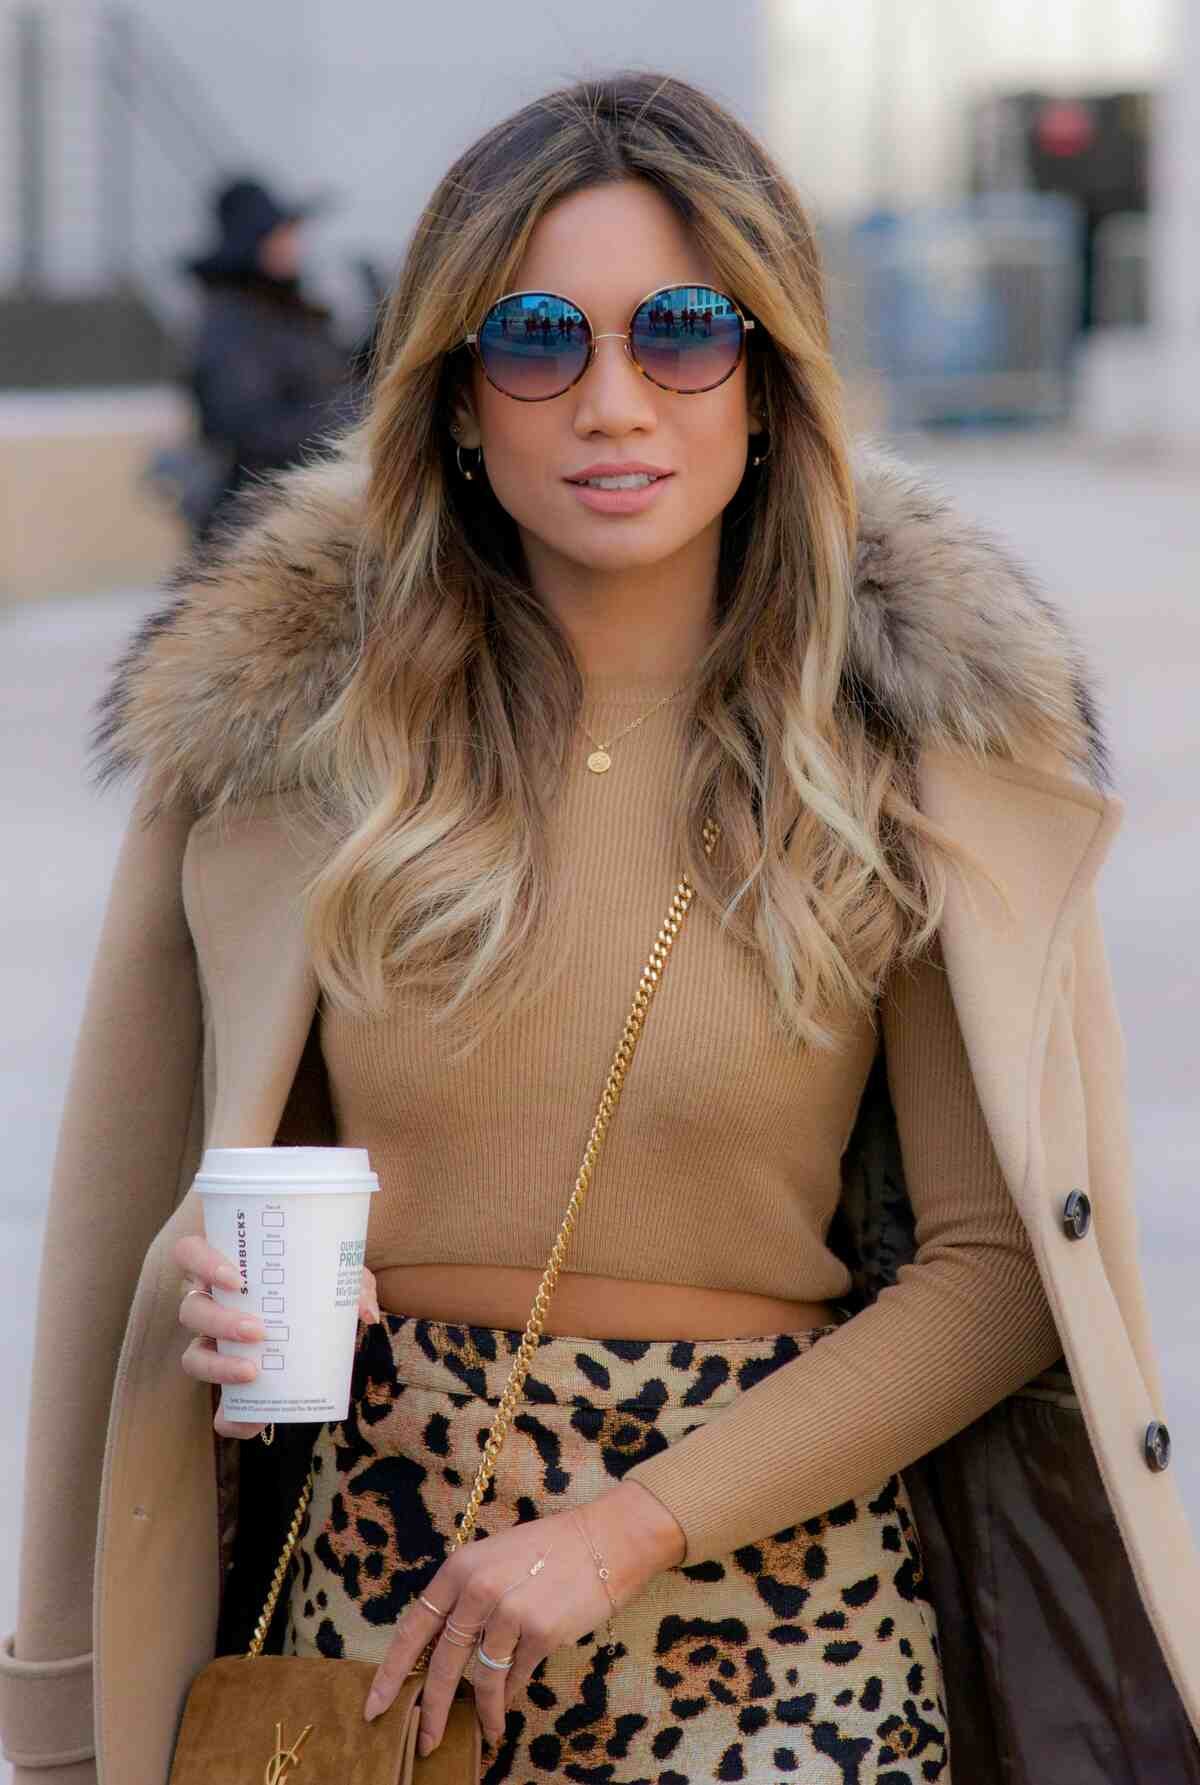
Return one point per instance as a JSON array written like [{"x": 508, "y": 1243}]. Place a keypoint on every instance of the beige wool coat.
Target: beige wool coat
[{"x": 202, "y": 1001}]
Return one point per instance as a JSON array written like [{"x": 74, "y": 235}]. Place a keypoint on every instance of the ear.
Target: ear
[{"x": 464, "y": 428}]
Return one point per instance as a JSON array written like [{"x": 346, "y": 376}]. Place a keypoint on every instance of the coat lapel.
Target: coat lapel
[{"x": 1044, "y": 837}]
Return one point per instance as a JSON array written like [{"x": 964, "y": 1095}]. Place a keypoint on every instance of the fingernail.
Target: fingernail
[
  {"x": 227, "y": 1277},
  {"x": 373, "y": 1705},
  {"x": 375, "y": 1314},
  {"x": 424, "y": 1744},
  {"x": 249, "y": 1329}
]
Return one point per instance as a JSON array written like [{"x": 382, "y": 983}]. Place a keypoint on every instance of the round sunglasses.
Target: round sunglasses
[{"x": 533, "y": 345}]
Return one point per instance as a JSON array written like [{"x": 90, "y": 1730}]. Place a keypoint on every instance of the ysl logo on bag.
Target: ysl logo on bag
[{"x": 284, "y": 1757}]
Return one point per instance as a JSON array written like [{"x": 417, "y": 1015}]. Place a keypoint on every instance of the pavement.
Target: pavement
[{"x": 1115, "y": 538}]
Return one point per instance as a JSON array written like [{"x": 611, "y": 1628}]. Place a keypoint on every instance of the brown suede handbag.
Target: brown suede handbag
[{"x": 258, "y": 1719}]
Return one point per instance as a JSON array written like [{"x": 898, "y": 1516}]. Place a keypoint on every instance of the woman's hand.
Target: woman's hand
[
  {"x": 208, "y": 1267},
  {"x": 526, "y": 1615}
]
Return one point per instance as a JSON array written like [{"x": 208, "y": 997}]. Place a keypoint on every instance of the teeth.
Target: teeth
[{"x": 632, "y": 480}]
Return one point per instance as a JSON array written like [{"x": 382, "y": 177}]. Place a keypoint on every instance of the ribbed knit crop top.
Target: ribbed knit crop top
[{"x": 721, "y": 1167}]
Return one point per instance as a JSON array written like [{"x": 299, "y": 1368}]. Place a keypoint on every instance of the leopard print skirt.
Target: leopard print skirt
[{"x": 809, "y": 1656}]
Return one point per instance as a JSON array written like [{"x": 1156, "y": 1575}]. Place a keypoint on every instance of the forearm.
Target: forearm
[{"x": 931, "y": 1355}]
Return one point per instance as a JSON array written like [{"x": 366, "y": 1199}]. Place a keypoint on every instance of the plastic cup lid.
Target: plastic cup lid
[{"x": 274, "y": 1171}]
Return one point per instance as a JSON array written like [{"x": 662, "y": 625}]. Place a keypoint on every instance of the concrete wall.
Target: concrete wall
[
  {"x": 75, "y": 512},
  {"x": 371, "y": 102}
]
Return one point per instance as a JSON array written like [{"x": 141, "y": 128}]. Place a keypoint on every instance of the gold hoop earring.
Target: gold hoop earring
[
  {"x": 458, "y": 452},
  {"x": 766, "y": 452}
]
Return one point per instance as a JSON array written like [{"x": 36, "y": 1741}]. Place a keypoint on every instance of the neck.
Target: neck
[{"x": 653, "y": 620}]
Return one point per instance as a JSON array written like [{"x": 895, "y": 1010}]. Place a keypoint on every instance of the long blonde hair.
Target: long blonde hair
[{"x": 446, "y": 747}]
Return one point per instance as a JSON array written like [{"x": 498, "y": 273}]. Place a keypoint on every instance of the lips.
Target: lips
[
  {"x": 626, "y": 468},
  {"x": 623, "y": 499}
]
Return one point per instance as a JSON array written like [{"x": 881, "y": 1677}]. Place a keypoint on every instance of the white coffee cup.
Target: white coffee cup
[{"x": 294, "y": 1222}]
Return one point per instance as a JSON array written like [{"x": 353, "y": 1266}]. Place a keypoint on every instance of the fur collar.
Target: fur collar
[{"x": 952, "y": 642}]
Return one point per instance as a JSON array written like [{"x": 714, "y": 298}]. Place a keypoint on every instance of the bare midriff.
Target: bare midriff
[{"x": 584, "y": 1306}]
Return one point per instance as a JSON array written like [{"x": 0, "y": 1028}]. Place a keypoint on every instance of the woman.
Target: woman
[{"x": 425, "y": 746}]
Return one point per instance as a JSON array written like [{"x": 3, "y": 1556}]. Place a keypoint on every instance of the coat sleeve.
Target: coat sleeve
[
  {"x": 965, "y": 1323},
  {"x": 132, "y": 1103},
  {"x": 268, "y": 394}
]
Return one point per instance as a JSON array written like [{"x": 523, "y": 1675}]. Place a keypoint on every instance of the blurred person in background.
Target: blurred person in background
[
  {"x": 267, "y": 372},
  {"x": 841, "y": 1457}
]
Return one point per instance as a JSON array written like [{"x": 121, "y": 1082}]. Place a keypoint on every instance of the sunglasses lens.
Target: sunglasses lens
[
  {"x": 687, "y": 337},
  {"x": 534, "y": 345}
]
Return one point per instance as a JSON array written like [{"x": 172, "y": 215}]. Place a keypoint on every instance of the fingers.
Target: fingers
[
  {"x": 453, "y": 1655},
  {"x": 194, "y": 1255},
  {"x": 368, "y": 1298},
  {"x": 417, "y": 1624},
  {"x": 205, "y": 1317},
  {"x": 205, "y": 1363},
  {"x": 201, "y": 1314},
  {"x": 500, "y": 1640},
  {"x": 447, "y": 1665},
  {"x": 233, "y": 1428}
]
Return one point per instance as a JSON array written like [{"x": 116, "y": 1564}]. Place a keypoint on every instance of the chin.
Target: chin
[
  {"x": 621, "y": 554},
  {"x": 620, "y": 542}
]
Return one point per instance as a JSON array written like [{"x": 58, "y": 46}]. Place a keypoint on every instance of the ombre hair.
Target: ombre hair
[{"x": 447, "y": 746}]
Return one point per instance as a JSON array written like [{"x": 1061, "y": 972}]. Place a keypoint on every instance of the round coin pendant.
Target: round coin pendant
[{"x": 599, "y": 762}]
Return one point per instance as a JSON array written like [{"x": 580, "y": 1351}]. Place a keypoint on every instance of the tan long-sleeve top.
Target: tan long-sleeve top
[{"x": 721, "y": 1167}]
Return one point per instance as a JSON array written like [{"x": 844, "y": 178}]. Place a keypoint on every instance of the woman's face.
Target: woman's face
[{"x": 605, "y": 249}]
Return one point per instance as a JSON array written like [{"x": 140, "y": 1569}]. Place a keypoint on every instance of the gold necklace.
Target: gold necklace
[{"x": 600, "y": 760}]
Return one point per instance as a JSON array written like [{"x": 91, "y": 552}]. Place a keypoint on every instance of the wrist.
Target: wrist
[{"x": 638, "y": 1521}]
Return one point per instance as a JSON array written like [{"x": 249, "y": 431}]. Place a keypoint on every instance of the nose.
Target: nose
[{"x": 612, "y": 397}]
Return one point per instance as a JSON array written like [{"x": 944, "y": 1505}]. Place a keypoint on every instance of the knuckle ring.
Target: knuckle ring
[
  {"x": 207, "y": 1292},
  {"x": 500, "y": 1666},
  {"x": 430, "y": 1606}
]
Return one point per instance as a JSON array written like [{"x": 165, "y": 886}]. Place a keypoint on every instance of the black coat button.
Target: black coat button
[
  {"x": 1077, "y": 1215},
  {"x": 1158, "y": 1445}
]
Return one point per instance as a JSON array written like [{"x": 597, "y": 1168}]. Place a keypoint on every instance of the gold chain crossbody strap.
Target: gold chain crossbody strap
[{"x": 648, "y": 984}]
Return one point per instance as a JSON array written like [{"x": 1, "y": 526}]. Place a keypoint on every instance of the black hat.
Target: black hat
[{"x": 246, "y": 212}]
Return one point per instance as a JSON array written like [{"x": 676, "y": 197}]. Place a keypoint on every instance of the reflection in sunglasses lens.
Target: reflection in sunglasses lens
[
  {"x": 687, "y": 337},
  {"x": 534, "y": 345}
]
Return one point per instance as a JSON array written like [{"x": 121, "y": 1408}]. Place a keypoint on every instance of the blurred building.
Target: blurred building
[
  {"x": 128, "y": 117},
  {"x": 124, "y": 119},
  {"x": 979, "y": 175}
]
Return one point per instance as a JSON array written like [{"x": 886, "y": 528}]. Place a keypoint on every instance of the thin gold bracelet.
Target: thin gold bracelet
[{"x": 603, "y": 1571}]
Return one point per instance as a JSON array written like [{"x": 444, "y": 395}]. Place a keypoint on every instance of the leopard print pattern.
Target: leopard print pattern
[{"x": 810, "y": 1656}]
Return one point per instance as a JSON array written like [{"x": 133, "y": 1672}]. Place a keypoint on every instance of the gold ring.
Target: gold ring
[{"x": 430, "y": 1605}]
